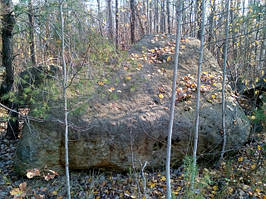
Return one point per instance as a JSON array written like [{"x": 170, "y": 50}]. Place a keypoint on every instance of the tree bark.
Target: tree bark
[
  {"x": 47, "y": 33},
  {"x": 65, "y": 97},
  {"x": 99, "y": 17},
  {"x": 132, "y": 21},
  {"x": 162, "y": 22},
  {"x": 196, "y": 134},
  {"x": 191, "y": 19},
  {"x": 150, "y": 19},
  {"x": 156, "y": 17},
  {"x": 198, "y": 19},
  {"x": 116, "y": 24},
  {"x": 31, "y": 32},
  {"x": 172, "y": 106},
  {"x": 224, "y": 79},
  {"x": 140, "y": 23},
  {"x": 8, "y": 23},
  {"x": 147, "y": 17},
  {"x": 110, "y": 20},
  {"x": 168, "y": 16},
  {"x": 210, "y": 36}
]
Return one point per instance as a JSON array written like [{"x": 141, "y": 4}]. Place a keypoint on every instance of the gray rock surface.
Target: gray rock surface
[{"x": 116, "y": 134}]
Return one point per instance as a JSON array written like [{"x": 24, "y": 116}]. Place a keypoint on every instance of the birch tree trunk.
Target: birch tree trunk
[
  {"x": 65, "y": 97},
  {"x": 196, "y": 134},
  {"x": 172, "y": 106}
]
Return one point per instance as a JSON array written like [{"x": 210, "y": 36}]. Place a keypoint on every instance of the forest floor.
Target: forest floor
[{"x": 240, "y": 176}]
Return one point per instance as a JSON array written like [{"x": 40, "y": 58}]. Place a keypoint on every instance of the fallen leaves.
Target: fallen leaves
[
  {"x": 161, "y": 96},
  {"x": 189, "y": 86},
  {"x": 240, "y": 159},
  {"x": 32, "y": 173},
  {"x": 215, "y": 188},
  {"x": 128, "y": 78},
  {"x": 253, "y": 166},
  {"x": 236, "y": 183},
  {"x": 49, "y": 174},
  {"x": 163, "y": 178},
  {"x": 20, "y": 192},
  {"x": 100, "y": 83},
  {"x": 111, "y": 89}
]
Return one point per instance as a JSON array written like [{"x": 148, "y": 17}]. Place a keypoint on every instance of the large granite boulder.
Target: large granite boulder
[{"x": 128, "y": 125}]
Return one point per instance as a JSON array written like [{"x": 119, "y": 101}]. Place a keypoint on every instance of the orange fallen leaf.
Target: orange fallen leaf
[
  {"x": 101, "y": 83},
  {"x": 253, "y": 166},
  {"x": 169, "y": 58},
  {"x": 111, "y": 89},
  {"x": 163, "y": 178}
]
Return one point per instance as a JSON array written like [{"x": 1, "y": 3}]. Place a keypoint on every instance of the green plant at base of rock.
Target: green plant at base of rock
[
  {"x": 200, "y": 183},
  {"x": 259, "y": 113}
]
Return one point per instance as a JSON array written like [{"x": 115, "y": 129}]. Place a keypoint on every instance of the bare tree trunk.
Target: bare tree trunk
[
  {"x": 31, "y": 30},
  {"x": 191, "y": 19},
  {"x": 116, "y": 23},
  {"x": 234, "y": 41},
  {"x": 224, "y": 80},
  {"x": 47, "y": 33},
  {"x": 196, "y": 135},
  {"x": 156, "y": 17},
  {"x": 147, "y": 18},
  {"x": 210, "y": 36},
  {"x": 99, "y": 17},
  {"x": 183, "y": 27},
  {"x": 140, "y": 23},
  {"x": 65, "y": 97},
  {"x": 110, "y": 20},
  {"x": 198, "y": 19},
  {"x": 173, "y": 15},
  {"x": 132, "y": 21},
  {"x": 162, "y": 22},
  {"x": 168, "y": 16},
  {"x": 261, "y": 63},
  {"x": 172, "y": 107},
  {"x": 151, "y": 19},
  {"x": 8, "y": 23}
]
